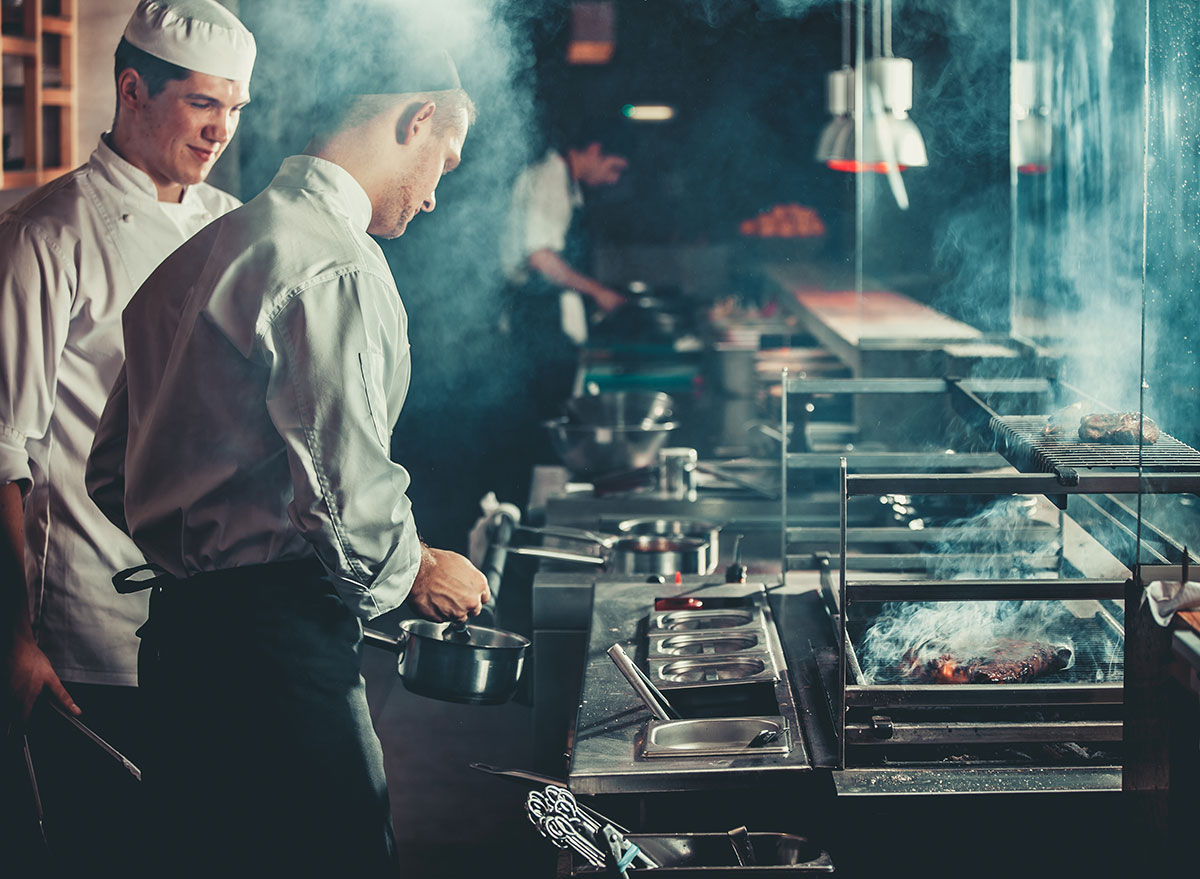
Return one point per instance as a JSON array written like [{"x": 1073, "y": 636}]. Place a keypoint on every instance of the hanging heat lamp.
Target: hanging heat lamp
[
  {"x": 1031, "y": 139},
  {"x": 891, "y": 140},
  {"x": 839, "y": 100}
]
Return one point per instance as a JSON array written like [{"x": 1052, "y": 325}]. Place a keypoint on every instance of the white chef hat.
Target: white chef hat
[{"x": 199, "y": 35}]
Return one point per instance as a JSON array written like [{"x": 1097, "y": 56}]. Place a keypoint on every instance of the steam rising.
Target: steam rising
[{"x": 915, "y": 633}]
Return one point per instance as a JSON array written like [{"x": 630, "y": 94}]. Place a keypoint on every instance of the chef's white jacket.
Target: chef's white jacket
[
  {"x": 266, "y": 362},
  {"x": 544, "y": 198},
  {"x": 72, "y": 253}
]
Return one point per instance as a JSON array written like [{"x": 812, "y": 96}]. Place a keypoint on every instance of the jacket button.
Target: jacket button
[{"x": 126, "y": 218}]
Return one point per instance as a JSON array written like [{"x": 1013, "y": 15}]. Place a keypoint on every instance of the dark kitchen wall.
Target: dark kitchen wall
[{"x": 748, "y": 81}]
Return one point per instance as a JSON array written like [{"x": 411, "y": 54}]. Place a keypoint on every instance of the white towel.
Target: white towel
[
  {"x": 1168, "y": 596},
  {"x": 477, "y": 538},
  {"x": 574, "y": 317}
]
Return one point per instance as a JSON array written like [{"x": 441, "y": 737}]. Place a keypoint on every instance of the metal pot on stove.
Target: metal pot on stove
[{"x": 651, "y": 553}]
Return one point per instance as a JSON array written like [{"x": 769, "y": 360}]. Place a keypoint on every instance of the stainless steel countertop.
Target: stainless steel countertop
[{"x": 612, "y": 719}]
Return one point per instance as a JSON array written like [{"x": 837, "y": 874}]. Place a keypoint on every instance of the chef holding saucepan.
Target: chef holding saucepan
[{"x": 245, "y": 448}]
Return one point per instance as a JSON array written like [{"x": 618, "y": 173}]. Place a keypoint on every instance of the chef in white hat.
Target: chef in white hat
[{"x": 71, "y": 256}]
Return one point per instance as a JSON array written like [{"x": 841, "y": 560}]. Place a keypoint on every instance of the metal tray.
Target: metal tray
[
  {"x": 696, "y": 671},
  {"x": 711, "y": 642},
  {"x": 715, "y": 737},
  {"x": 717, "y": 620}
]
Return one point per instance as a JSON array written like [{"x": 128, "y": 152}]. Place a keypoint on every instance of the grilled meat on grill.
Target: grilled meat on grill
[
  {"x": 1009, "y": 662},
  {"x": 1115, "y": 427},
  {"x": 1063, "y": 421},
  {"x": 1118, "y": 427}
]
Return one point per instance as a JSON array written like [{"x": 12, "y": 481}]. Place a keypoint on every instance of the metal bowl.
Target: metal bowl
[
  {"x": 619, "y": 408},
  {"x": 595, "y": 449}
]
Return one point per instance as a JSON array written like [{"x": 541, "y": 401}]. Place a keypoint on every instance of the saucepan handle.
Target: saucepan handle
[
  {"x": 387, "y": 642},
  {"x": 556, "y": 554}
]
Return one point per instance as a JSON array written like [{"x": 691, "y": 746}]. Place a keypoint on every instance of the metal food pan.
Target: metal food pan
[
  {"x": 712, "y": 642},
  {"x": 717, "y": 737},
  {"x": 720, "y": 619},
  {"x": 695, "y": 671}
]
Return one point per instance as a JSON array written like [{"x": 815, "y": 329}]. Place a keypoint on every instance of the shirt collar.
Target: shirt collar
[
  {"x": 333, "y": 183},
  {"x": 127, "y": 176}
]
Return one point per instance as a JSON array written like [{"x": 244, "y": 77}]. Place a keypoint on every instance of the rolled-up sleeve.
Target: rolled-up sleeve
[
  {"x": 36, "y": 286},
  {"x": 105, "y": 475},
  {"x": 339, "y": 368}
]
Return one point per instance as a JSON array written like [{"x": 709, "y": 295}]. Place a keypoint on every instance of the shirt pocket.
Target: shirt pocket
[{"x": 371, "y": 366}]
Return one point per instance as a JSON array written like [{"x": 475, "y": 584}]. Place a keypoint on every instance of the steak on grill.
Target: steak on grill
[
  {"x": 1118, "y": 427},
  {"x": 1010, "y": 662},
  {"x": 1113, "y": 427}
]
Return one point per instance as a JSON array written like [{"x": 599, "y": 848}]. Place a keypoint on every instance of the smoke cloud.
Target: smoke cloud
[{"x": 909, "y": 635}]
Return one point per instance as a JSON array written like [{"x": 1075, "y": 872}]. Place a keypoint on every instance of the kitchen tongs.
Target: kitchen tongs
[{"x": 649, "y": 694}]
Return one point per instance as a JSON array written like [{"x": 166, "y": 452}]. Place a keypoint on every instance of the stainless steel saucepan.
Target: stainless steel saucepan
[
  {"x": 455, "y": 662},
  {"x": 663, "y": 554}
]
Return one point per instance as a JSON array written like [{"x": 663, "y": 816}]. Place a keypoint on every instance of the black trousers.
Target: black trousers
[{"x": 264, "y": 759}]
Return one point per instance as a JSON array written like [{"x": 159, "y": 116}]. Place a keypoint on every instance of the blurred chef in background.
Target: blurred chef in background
[
  {"x": 546, "y": 258},
  {"x": 72, "y": 254}
]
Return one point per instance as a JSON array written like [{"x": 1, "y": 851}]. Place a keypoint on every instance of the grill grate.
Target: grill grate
[
  {"x": 1026, "y": 448},
  {"x": 1099, "y": 656}
]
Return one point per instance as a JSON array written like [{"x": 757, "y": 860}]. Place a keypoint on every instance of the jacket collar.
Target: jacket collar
[{"x": 331, "y": 182}]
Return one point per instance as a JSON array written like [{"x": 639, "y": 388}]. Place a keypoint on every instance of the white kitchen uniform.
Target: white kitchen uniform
[
  {"x": 266, "y": 362},
  {"x": 74, "y": 251},
  {"x": 544, "y": 200}
]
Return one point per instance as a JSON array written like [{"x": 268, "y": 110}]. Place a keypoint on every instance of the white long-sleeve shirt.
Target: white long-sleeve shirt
[
  {"x": 544, "y": 199},
  {"x": 72, "y": 253},
  {"x": 266, "y": 362}
]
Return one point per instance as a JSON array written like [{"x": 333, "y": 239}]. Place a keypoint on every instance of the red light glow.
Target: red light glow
[
  {"x": 855, "y": 167},
  {"x": 1032, "y": 169}
]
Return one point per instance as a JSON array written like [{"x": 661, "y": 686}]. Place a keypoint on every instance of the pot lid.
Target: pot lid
[{"x": 473, "y": 636}]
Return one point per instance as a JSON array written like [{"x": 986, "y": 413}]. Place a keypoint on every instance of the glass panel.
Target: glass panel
[
  {"x": 1078, "y": 153},
  {"x": 1171, "y": 364}
]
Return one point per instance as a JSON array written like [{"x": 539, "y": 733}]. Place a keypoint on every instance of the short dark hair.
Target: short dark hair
[
  {"x": 331, "y": 118},
  {"x": 580, "y": 132},
  {"x": 155, "y": 72}
]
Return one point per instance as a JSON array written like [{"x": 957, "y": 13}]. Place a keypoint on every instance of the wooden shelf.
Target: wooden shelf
[
  {"x": 58, "y": 25},
  {"x": 26, "y": 47},
  {"x": 43, "y": 106},
  {"x": 58, "y": 97}
]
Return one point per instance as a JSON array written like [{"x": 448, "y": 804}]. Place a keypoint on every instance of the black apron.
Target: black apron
[
  {"x": 551, "y": 357},
  {"x": 263, "y": 757},
  {"x": 539, "y": 362}
]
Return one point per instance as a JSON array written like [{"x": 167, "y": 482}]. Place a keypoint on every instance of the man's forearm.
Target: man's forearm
[
  {"x": 14, "y": 595},
  {"x": 557, "y": 270}
]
